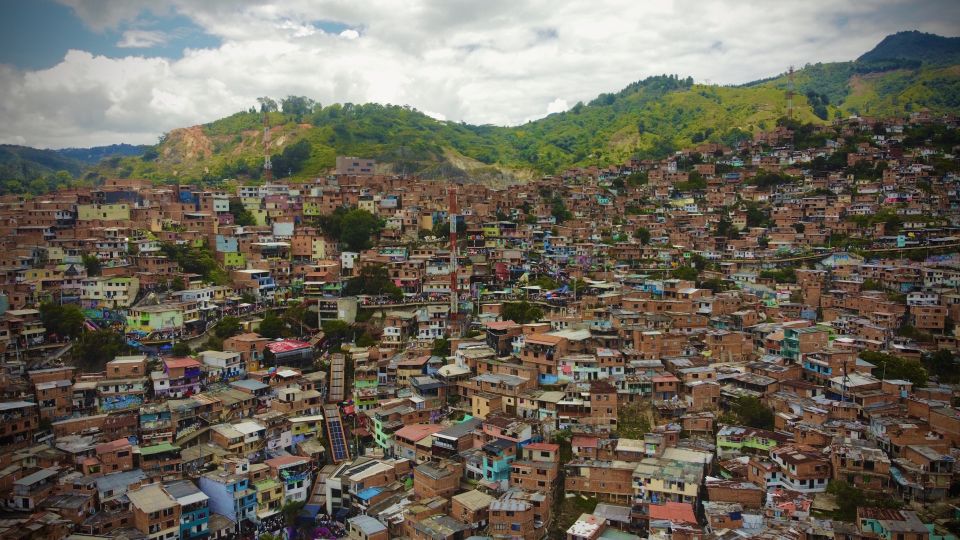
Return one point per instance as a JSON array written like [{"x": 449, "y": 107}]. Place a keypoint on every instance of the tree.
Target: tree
[
  {"x": 65, "y": 321},
  {"x": 637, "y": 179},
  {"x": 756, "y": 217},
  {"x": 688, "y": 273},
  {"x": 634, "y": 422},
  {"x": 559, "y": 210},
  {"x": 181, "y": 348},
  {"x": 644, "y": 235},
  {"x": 943, "y": 364},
  {"x": 358, "y": 228},
  {"x": 298, "y": 314},
  {"x": 269, "y": 359},
  {"x": 441, "y": 228},
  {"x": 373, "y": 279},
  {"x": 336, "y": 331},
  {"x": 177, "y": 284},
  {"x": 784, "y": 275},
  {"x": 441, "y": 347},
  {"x": 578, "y": 285},
  {"x": 752, "y": 412},
  {"x": 895, "y": 367},
  {"x": 213, "y": 343},
  {"x": 241, "y": 216},
  {"x": 545, "y": 282},
  {"x": 92, "y": 264},
  {"x": 726, "y": 228},
  {"x": 332, "y": 224},
  {"x": 196, "y": 260},
  {"x": 365, "y": 340},
  {"x": 267, "y": 104},
  {"x": 297, "y": 106},
  {"x": 871, "y": 284},
  {"x": 521, "y": 312},
  {"x": 714, "y": 284},
  {"x": 93, "y": 350},
  {"x": 290, "y": 512},
  {"x": 291, "y": 160},
  {"x": 271, "y": 327},
  {"x": 849, "y": 498},
  {"x": 699, "y": 262},
  {"x": 227, "y": 327}
]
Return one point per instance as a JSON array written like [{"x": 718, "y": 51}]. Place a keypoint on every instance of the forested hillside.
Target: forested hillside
[{"x": 906, "y": 72}]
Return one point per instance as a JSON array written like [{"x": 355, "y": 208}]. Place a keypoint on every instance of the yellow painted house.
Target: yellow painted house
[
  {"x": 234, "y": 260},
  {"x": 109, "y": 291},
  {"x": 318, "y": 249},
  {"x": 311, "y": 208},
  {"x": 306, "y": 426},
  {"x": 155, "y": 318},
  {"x": 113, "y": 212},
  {"x": 658, "y": 480}
]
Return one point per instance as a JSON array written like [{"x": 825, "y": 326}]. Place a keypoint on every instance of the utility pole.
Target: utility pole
[
  {"x": 452, "y": 216},
  {"x": 267, "y": 166},
  {"x": 790, "y": 93}
]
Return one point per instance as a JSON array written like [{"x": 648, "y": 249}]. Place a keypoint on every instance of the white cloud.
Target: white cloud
[
  {"x": 297, "y": 30},
  {"x": 557, "y": 105},
  {"x": 102, "y": 15},
  {"x": 134, "y": 39},
  {"x": 494, "y": 62}
]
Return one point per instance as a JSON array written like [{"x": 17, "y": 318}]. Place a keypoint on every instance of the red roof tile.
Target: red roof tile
[
  {"x": 673, "y": 511},
  {"x": 585, "y": 442},
  {"x": 502, "y": 325},
  {"x": 417, "y": 432},
  {"x": 287, "y": 345},
  {"x": 280, "y": 461},
  {"x": 180, "y": 362},
  {"x": 548, "y": 447},
  {"x": 112, "y": 445}
]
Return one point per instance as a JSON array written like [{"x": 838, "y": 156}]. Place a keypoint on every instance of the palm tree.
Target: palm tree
[{"x": 290, "y": 512}]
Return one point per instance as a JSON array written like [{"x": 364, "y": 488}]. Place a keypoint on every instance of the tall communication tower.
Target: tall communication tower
[
  {"x": 790, "y": 93},
  {"x": 267, "y": 166},
  {"x": 452, "y": 215}
]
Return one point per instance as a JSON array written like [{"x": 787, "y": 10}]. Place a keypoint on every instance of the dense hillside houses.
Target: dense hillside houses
[{"x": 749, "y": 340}]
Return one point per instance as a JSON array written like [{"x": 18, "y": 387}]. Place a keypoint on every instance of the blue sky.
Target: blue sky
[
  {"x": 61, "y": 29},
  {"x": 90, "y": 72}
]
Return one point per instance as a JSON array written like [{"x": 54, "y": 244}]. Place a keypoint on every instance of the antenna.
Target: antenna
[
  {"x": 790, "y": 93},
  {"x": 452, "y": 215},
  {"x": 267, "y": 166}
]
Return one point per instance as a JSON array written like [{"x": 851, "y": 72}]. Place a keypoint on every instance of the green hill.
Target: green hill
[
  {"x": 913, "y": 45},
  {"x": 649, "y": 118},
  {"x": 32, "y": 170}
]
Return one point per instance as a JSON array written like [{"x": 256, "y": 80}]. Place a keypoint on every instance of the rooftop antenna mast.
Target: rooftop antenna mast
[
  {"x": 452, "y": 215},
  {"x": 790, "y": 93},
  {"x": 267, "y": 166}
]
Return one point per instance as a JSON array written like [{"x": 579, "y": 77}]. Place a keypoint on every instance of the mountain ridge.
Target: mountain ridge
[
  {"x": 648, "y": 118},
  {"x": 915, "y": 45}
]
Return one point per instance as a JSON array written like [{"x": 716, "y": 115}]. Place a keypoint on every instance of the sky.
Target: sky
[{"x": 79, "y": 73}]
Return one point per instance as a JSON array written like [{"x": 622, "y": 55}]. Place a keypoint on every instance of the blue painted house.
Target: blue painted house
[
  {"x": 230, "y": 492},
  {"x": 497, "y": 457},
  {"x": 194, "y": 509}
]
